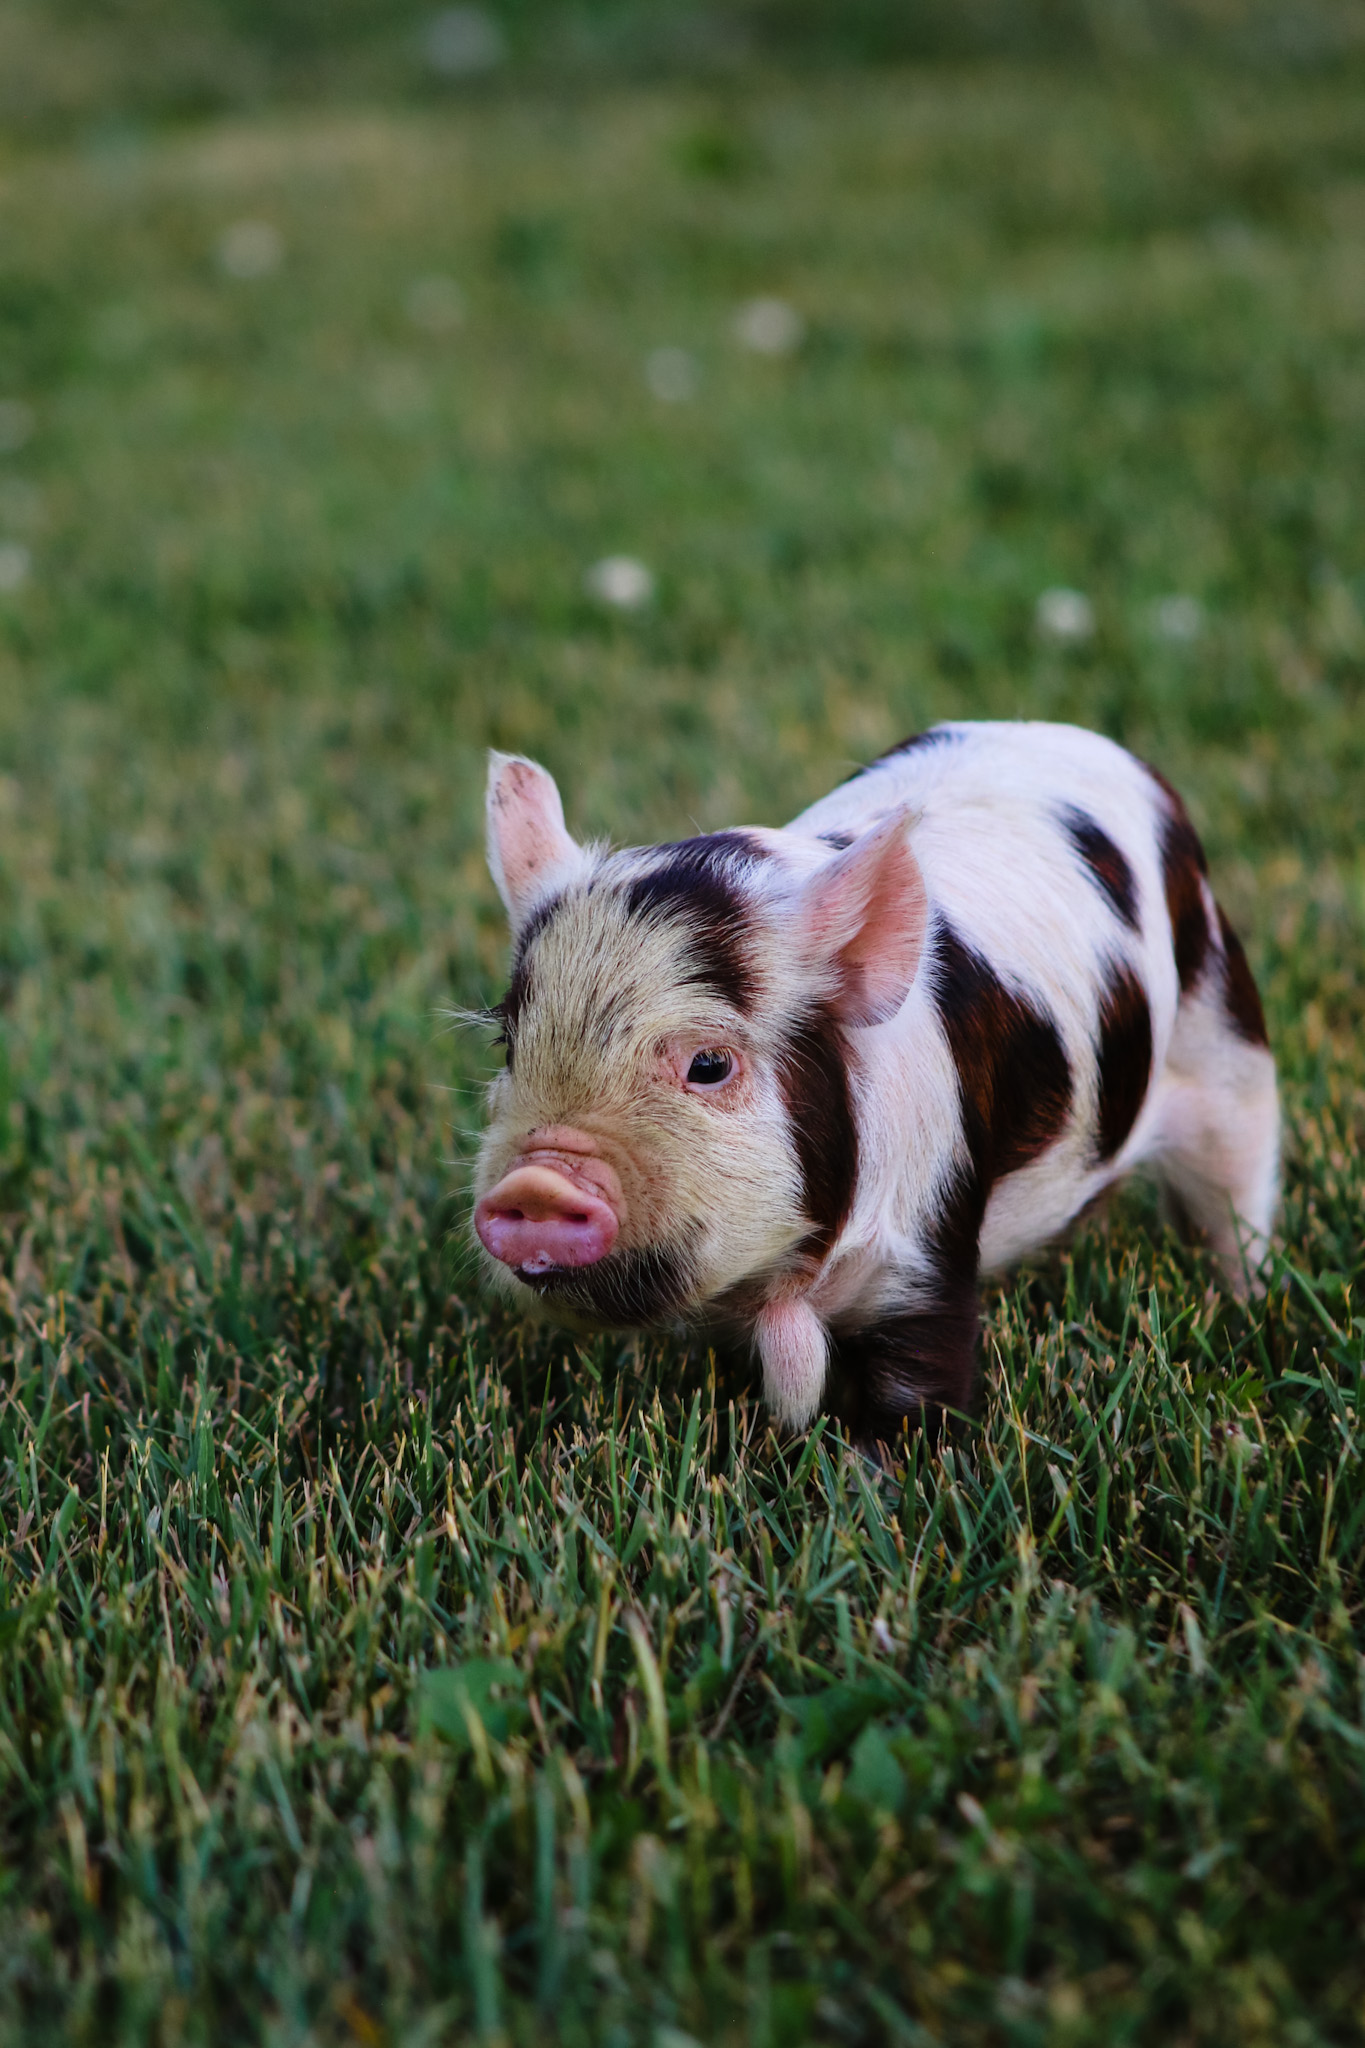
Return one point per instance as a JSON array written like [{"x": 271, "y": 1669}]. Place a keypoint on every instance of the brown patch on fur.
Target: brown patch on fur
[
  {"x": 936, "y": 736},
  {"x": 906, "y": 1371},
  {"x": 1241, "y": 997},
  {"x": 812, "y": 1070},
  {"x": 1183, "y": 868},
  {"x": 1016, "y": 1089},
  {"x": 693, "y": 884},
  {"x": 508, "y": 1011},
  {"x": 1125, "y": 1060},
  {"x": 1108, "y": 866},
  {"x": 1014, "y": 1077}
]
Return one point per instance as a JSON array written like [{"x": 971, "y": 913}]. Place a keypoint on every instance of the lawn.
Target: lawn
[{"x": 377, "y": 1669}]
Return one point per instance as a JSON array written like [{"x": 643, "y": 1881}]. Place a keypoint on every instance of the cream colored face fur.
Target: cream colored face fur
[
  {"x": 626, "y": 966},
  {"x": 604, "y": 1034}
]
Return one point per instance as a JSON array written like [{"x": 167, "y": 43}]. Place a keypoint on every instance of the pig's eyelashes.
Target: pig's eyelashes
[{"x": 710, "y": 1067}]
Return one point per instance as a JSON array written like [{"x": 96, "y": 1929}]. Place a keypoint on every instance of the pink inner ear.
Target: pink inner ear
[
  {"x": 527, "y": 842},
  {"x": 868, "y": 914}
]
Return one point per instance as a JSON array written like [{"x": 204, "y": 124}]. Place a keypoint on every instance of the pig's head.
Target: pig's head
[{"x": 674, "y": 1130}]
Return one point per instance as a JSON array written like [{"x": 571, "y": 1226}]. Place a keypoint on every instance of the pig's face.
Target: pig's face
[{"x": 675, "y": 1120}]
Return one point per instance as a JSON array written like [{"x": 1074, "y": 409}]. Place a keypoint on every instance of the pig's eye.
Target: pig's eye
[{"x": 710, "y": 1067}]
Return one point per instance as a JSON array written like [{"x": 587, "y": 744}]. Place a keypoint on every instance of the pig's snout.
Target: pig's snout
[{"x": 537, "y": 1219}]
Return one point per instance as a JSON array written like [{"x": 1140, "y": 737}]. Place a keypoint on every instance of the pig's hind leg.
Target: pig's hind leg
[{"x": 1216, "y": 1131}]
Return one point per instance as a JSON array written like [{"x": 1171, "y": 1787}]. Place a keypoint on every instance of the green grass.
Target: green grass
[{"x": 376, "y": 1669}]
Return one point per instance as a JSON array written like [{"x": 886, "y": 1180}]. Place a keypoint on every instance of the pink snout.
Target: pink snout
[{"x": 536, "y": 1219}]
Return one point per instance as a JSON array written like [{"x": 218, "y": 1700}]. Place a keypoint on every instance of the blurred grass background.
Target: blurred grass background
[
  {"x": 68, "y": 61},
  {"x": 377, "y": 1669}
]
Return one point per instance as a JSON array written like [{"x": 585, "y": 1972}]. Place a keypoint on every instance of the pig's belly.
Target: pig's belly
[{"x": 1028, "y": 1209}]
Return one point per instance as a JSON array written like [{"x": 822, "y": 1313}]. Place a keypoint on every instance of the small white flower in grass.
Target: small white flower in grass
[
  {"x": 770, "y": 327},
  {"x": 1066, "y": 616},
  {"x": 250, "y": 248},
  {"x": 882, "y": 1637},
  {"x": 435, "y": 304},
  {"x": 16, "y": 424},
  {"x": 463, "y": 42},
  {"x": 15, "y": 563},
  {"x": 671, "y": 374},
  {"x": 620, "y": 581},
  {"x": 1178, "y": 619}
]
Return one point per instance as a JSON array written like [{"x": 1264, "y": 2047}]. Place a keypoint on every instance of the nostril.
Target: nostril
[{"x": 538, "y": 1220}]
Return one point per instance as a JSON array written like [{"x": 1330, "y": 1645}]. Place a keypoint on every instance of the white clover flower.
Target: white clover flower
[
  {"x": 770, "y": 327},
  {"x": 16, "y": 424},
  {"x": 1066, "y": 616},
  {"x": 435, "y": 304},
  {"x": 250, "y": 248},
  {"x": 15, "y": 564},
  {"x": 463, "y": 42},
  {"x": 620, "y": 581},
  {"x": 1177, "y": 618},
  {"x": 671, "y": 374}
]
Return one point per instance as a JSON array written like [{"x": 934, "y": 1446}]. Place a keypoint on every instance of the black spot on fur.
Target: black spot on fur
[
  {"x": 508, "y": 1011},
  {"x": 936, "y": 736},
  {"x": 1125, "y": 1059},
  {"x": 1016, "y": 1089},
  {"x": 812, "y": 1070},
  {"x": 1183, "y": 868},
  {"x": 694, "y": 885},
  {"x": 1241, "y": 997},
  {"x": 543, "y": 914},
  {"x": 1015, "y": 1084},
  {"x": 1013, "y": 1073},
  {"x": 628, "y": 1290},
  {"x": 840, "y": 841},
  {"x": 1108, "y": 866},
  {"x": 906, "y": 1370}
]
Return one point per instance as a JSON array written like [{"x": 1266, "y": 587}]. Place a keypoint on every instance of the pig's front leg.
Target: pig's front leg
[
  {"x": 906, "y": 1369},
  {"x": 793, "y": 1345}
]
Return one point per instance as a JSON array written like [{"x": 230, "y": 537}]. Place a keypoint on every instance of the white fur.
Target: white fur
[
  {"x": 986, "y": 839},
  {"x": 793, "y": 1344}
]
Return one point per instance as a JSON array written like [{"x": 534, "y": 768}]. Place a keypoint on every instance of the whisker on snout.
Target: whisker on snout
[{"x": 457, "y": 1014}]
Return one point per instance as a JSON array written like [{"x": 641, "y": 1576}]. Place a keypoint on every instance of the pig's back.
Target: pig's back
[{"x": 997, "y": 780}]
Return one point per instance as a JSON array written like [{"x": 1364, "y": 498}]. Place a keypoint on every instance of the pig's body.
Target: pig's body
[{"x": 961, "y": 995}]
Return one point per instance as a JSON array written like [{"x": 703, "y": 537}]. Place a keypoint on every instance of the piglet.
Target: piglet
[{"x": 812, "y": 1084}]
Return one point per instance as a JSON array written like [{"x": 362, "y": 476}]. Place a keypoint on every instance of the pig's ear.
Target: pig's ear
[
  {"x": 865, "y": 916},
  {"x": 529, "y": 851}
]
